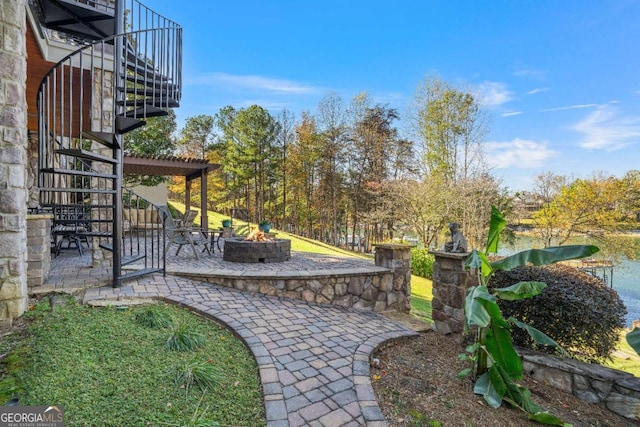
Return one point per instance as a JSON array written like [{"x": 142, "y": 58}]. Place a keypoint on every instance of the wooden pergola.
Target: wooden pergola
[{"x": 175, "y": 166}]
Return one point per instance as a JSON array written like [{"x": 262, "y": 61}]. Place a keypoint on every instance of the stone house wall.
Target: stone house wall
[{"x": 13, "y": 160}]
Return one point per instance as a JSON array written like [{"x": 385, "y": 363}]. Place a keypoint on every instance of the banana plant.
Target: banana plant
[{"x": 496, "y": 364}]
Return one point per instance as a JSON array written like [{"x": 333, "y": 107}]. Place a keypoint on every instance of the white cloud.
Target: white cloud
[
  {"x": 537, "y": 90},
  {"x": 530, "y": 72},
  {"x": 252, "y": 82},
  {"x": 492, "y": 94},
  {"x": 606, "y": 129},
  {"x": 521, "y": 153},
  {"x": 511, "y": 113},
  {"x": 570, "y": 107}
]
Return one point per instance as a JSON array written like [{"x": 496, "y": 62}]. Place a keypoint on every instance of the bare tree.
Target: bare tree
[
  {"x": 333, "y": 129},
  {"x": 286, "y": 137},
  {"x": 449, "y": 126}
]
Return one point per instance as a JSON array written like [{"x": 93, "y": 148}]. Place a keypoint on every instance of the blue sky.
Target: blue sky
[{"x": 559, "y": 79}]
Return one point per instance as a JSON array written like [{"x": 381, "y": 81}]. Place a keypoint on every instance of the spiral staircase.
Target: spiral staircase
[{"x": 126, "y": 68}]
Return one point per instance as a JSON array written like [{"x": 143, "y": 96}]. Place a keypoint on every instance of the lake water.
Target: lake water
[{"x": 626, "y": 278}]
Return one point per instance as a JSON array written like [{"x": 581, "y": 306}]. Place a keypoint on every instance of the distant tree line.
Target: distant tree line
[
  {"x": 602, "y": 208},
  {"x": 344, "y": 173}
]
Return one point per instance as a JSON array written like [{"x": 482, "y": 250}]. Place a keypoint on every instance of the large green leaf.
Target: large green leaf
[
  {"x": 500, "y": 347},
  {"x": 515, "y": 394},
  {"x": 496, "y": 385},
  {"x": 544, "y": 256},
  {"x": 537, "y": 335},
  {"x": 485, "y": 387},
  {"x": 524, "y": 394},
  {"x": 479, "y": 260},
  {"x": 497, "y": 224},
  {"x": 520, "y": 291},
  {"x": 548, "y": 419},
  {"x": 475, "y": 312},
  {"x": 633, "y": 338},
  {"x": 474, "y": 260},
  {"x": 494, "y": 310}
]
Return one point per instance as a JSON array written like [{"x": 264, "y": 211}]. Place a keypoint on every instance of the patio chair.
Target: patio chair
[
  {"x": 188, "y": 218},
  {"x": 183, "y": 234}
]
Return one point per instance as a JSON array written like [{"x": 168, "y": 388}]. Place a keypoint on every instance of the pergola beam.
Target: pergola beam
[{"x": 175, "y": 166}]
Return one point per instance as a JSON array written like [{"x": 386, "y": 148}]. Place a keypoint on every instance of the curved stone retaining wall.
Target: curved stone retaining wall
[
  {"x": 618, "y": 391},
  {"x": 385, "y": 287}
]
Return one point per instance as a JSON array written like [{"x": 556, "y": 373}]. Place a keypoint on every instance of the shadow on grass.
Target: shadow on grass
[{"x": 421, "y": 307}]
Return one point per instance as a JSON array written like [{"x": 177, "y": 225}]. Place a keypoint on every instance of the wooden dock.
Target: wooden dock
[{"x": 600, "y": 268}]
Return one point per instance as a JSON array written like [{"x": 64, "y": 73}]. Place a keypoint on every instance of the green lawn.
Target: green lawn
[
  {"x": 109, "y": 370},
  {"x": 630, "y": 362},
  {"x": 421, "y": 296}
]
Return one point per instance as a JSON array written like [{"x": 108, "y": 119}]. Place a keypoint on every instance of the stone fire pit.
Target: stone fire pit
[{"x": 240, "y": 250}]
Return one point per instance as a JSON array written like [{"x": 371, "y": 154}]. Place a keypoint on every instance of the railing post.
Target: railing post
[{"x": 118, "y": 81}]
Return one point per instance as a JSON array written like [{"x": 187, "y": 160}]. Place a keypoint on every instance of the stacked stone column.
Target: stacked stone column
[
  {"x": 398, "y": 259},
  {"x": 450, "y": 284},
  {"x": 38, "y": 249},
  {"x": 13, "y": 160}
]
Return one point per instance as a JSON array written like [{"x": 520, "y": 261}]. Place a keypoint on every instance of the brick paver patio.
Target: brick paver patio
[{"x": 313, "y": 359}]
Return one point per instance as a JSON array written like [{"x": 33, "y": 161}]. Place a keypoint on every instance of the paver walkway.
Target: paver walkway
[{"x": 313, "y": 359}]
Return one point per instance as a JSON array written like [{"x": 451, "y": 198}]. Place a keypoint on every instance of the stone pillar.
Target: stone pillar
[
  {"x": 398, "y": 291},
  {"x": 13, "y": 160},
  {"x": 38, "y": 249},
  {"x": 450, "y": 284}
]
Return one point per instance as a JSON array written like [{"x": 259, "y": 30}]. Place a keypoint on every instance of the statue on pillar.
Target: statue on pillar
[{"x": 458, "y": 243}]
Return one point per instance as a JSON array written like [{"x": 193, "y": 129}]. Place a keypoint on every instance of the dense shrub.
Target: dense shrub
[
  {"x": 576, "y": 309},
  {"x": 422, "y": 262}
]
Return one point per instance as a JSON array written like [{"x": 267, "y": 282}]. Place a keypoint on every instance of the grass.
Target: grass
[
  {"x": 184, "y": 339},
  {"x": 153, "y": 317},
  {"x": 108, "y": 370},
  {"x": 630, "y": 363},
  {"x": 421, "y": 296},
  {"x": 206, "y": 376}
]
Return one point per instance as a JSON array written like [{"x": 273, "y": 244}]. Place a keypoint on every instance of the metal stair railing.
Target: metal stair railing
[
  {"x": 87, "y": 101},
  {"x": 143, "y": 237}
]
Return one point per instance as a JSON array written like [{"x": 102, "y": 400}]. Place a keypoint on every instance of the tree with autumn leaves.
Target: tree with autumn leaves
[
  {"x": 346, "y": 174},
  {"x": 601, "y": 207}
]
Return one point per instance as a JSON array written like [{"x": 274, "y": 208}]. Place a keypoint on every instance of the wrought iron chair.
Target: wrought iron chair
[
  {"x": 184, "y": 233},
  {"x": 69, "y": 224}
]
